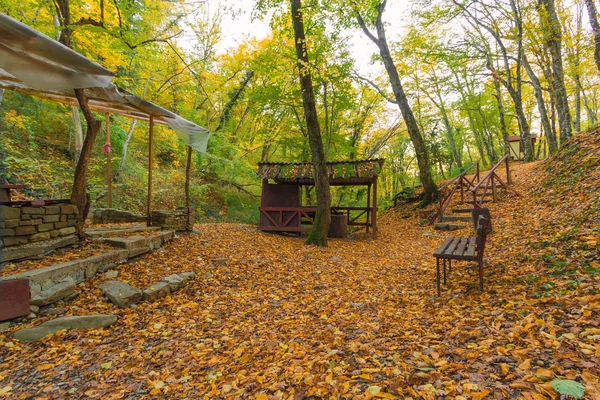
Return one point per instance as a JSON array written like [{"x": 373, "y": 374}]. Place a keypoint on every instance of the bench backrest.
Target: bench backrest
[
  {"x": 481, "y": 236},
  {"x": 485, "y": 212}
]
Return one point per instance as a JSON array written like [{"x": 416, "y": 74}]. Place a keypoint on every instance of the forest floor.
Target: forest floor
[{"x": 274, "y": 318}]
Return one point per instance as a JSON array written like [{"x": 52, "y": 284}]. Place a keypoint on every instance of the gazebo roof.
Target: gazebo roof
[
  {"x": 341, "y": 173},
  {"x": 33, "y": 63}
]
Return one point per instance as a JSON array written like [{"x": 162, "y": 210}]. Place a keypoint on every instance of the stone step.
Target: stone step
[
  {"x": 51, "y": 284},
  {"x": 111, "y": 232},
  {"x": 447, "y": 227},
  {"x": 478, "y": 200},
  {"x": 462, "y": 211},
  {"x": 146, "y": 243},
  {"x": 456, "y": 218}
]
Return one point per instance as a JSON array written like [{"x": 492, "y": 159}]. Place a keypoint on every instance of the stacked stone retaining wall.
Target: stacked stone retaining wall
[
  {"x": 181, "y": 219},
  {"x": 112, "y": 215},
  {"x": 27, "y": 230}
]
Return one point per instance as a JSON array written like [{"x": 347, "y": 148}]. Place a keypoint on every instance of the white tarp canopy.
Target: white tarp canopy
[{"x": 33, "y": 63}]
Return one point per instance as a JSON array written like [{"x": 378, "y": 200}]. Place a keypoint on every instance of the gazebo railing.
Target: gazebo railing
[{"x": 299, "y": 219}]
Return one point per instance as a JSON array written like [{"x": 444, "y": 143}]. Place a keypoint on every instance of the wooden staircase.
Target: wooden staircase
[{"x": 481, "y": 191}]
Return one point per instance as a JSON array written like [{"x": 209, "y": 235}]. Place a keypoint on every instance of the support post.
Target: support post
[
  {"x": 374, "y": 219},
  {"x": 108, "y": 171},
  {"x": 508, "y": 179},
  {"x": 150, "y": 156},
  {"x": 493, "y": 177},
  {"x": 188, "y": 205},
  {"x": 477, "y": 171},
  {"x": 368, "y": 204},
  {"x": 188, "y": 172}
]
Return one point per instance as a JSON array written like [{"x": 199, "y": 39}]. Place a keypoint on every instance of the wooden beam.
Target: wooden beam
[
  {"x": 368, "y": 204},
  {"x": 374, "y": 218},
  {"x": 108, "y": 171},
  {"x": 150, "y": 156}
]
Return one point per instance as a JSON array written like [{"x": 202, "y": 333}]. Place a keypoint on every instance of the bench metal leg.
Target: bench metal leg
[
  {"x": 444, "y": 271},
  {"x": 437, "y": 269},
  {"x": 481, "y": 275}
]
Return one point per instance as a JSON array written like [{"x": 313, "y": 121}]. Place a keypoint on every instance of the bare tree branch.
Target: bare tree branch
[{"x": 377, "y": 88}]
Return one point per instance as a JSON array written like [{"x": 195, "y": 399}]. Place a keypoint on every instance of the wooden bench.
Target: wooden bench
[{"x": 463, "y": 248}]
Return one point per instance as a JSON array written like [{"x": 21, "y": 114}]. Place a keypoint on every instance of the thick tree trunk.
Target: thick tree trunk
[
  {"x": 539, "y": 96},
  {"x": 429, "y": 186},
  {"x": 318, "y": 234},
  {"x": 593, "y": 17},
  {"x": 79, "y": 195},
  {"x": 553, "y": 37},
  {"x": 517, "y": 93},
  {"x": 77, "y": 131}
]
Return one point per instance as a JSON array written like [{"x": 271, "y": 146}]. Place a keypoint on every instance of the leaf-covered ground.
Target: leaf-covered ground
[{"x": 267, "y": 317}]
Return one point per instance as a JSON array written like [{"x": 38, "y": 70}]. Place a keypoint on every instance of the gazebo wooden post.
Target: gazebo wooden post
[
  {"x": 108, "y": 171},
  {"x": 368, "y": 204},
  {"x": 150, "y": 154},
  {"x": 374, "y": 218}
]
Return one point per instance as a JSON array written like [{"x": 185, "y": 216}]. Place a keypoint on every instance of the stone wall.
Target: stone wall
[
  {"x": 26, "y": 224},
  {"x": 181, "y": 219},
  {"x": 30, "y": 230},
  {"x": 112, "y": 215}
]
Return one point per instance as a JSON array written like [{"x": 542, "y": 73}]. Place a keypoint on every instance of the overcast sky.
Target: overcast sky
[{"x": 239, "y": 27}]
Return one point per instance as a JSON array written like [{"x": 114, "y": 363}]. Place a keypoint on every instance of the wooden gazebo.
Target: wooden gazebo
[{"x": 282, "y": 208}]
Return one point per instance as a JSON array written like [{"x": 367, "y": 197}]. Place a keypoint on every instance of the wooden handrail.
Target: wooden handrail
[
  {"x": 458, "y": 183},
  {"x": 489, "y": 173},
  {"x": 459, "y": 176},
  {"x": 490, "y": 178}
]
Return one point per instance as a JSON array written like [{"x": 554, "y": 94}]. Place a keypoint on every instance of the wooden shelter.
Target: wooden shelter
[
  {"x": 35, "y": 64},
  {"x": 516, "y": 146},
  {"x": 282, "y": 208}
]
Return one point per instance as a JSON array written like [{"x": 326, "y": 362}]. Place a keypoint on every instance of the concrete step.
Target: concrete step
[
  {"x": 447, "y": 227},
  {"x": 456, "y": 218}
]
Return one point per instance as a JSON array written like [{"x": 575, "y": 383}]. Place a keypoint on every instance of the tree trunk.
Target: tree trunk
[
  {"x": 539, "y": 96},
  {"x": 429, "y": 186},
  {"x": 318, "y": 233},
  {"x": 593, "y": 16},
  {"x": 78, "y": 131},
  {"x": 501, "y": 116},
  {"x": 456, "y": 155},
  {"x": 591, "y": 115},
  {"x": 1, "y": 96},
  {"x": 124, "y": 151},
  {"x": 79, "y": 195},
  {"x": 553, "y": 37},
  {"x": 233, "y": 99}
]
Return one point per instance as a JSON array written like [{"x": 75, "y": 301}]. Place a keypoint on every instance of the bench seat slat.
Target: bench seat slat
[
  {"x": 440, "y": 251},
  {"x": 471, "y": 248},
  {"x": 450, "y": 250},
  {"x": 460, "y": 250}
]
